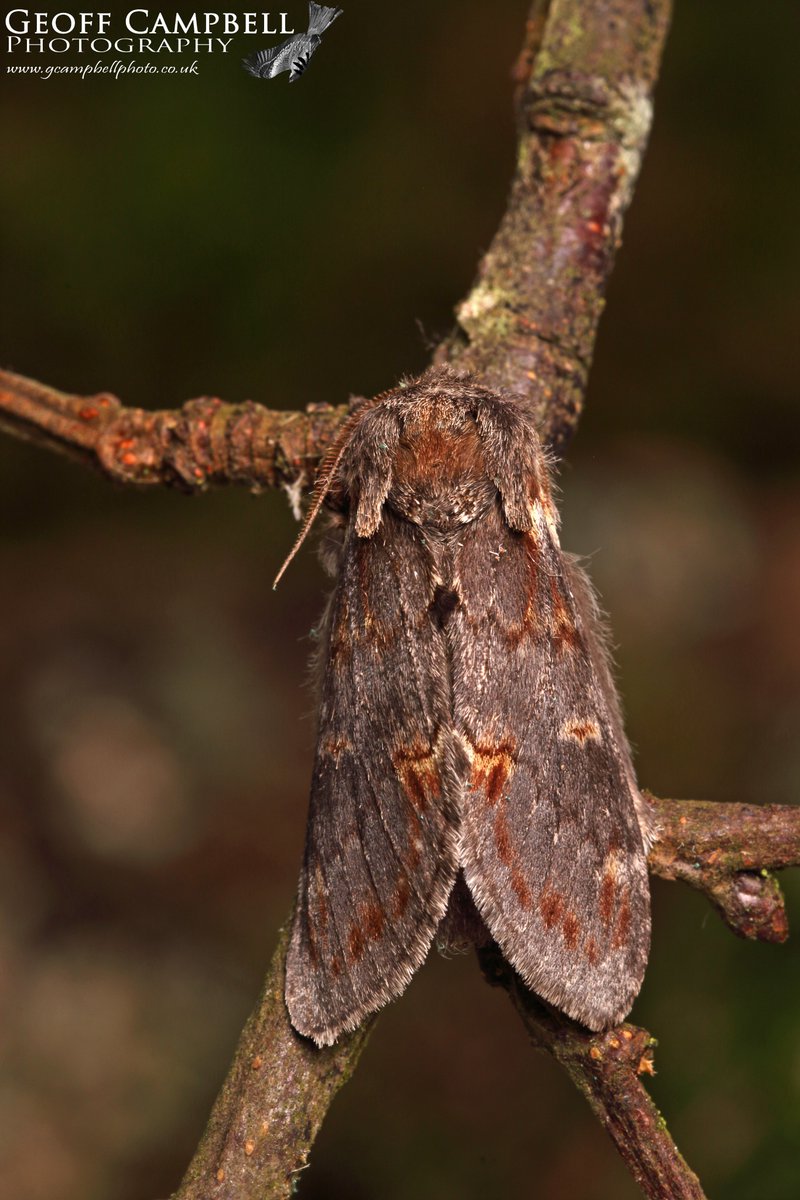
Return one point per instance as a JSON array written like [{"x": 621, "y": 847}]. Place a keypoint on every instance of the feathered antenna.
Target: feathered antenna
[{"x": 327, "y": 474}]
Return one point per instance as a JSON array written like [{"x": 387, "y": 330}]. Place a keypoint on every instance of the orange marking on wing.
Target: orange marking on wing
[
  {"x": 551, "y": 906},
  {"x": 502, "y": 836},
  {"x": 492, "y": 764},
  {"x": 591, "y": 952},
  {"x": 528, "y": 625},
  {"x": 336, "y": 966},
  {"x": 608, "y": 889},
  {"x": 570, "y": 929},
  {"x": 373, "y": 920},
  {"x": 334, "y": 746},
  {"x": 521, "y": 889},
  {"x": 563, "y": 628},
  {"x": 623, "y": 925},
  {"x": 581, "y": 729},
  {"x": 402, "y": 895},
  {"x": 418, "y": 772},
  {"x": 355, "y": 943}
]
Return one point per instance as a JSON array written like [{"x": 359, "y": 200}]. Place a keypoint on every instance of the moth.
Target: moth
[{"x": 470, "y": 748}]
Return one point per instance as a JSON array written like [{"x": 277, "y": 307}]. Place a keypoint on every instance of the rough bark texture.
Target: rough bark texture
[
  {"x": 585, "y": 81},
  {"x": 203, "y": 443},
  {"x": 584, "y": 84},
  {"x": 606, "y": 1068},
  {"x": 271, "y": 1105},
  {"x": 728, "y": 851}
]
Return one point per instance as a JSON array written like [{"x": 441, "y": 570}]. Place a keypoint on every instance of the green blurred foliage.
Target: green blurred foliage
[{"x": 165, "y": 238}]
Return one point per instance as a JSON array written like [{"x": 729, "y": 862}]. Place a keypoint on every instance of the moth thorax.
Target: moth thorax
[
  {"x": 443, "y": 504},
  {"x": 439, "y": 475}
]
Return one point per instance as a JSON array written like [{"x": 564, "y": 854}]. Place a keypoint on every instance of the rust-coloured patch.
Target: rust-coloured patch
[
  {"x": 502, "y": 836},
  {"x": 570, "y": 929},
  {"x": 426, "y": 451},
  {"x": 528, "y": 624},
  {"x": 322, "y": 908},
  {"x": 334, "y": 746},
  {"x": 608, "y": 890},
  {"x": 336, "y": 966},
  {"x": 402, "y": 895},
  {"x": 551, "y": 906},
  {"x": 418, "y": 772},
  {"x": 89, "y": 413},
  {"x": 373, "y": 921},
  {"x": 623, "y": 925},
  {"x": 564, "y": 632},
  {"x": 492, "y": 764},
  {"x": 591, "y": 952},
  {"x": 581, "y": 730},
  {"x": 355, "y": 943},
  {"x": 521, "y": 889}
]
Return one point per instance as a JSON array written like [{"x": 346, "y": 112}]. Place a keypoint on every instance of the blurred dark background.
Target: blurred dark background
[{"x": 166, "y": 238}]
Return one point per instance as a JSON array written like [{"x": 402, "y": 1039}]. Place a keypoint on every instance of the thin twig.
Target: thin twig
[
  {"x": 728, "y": 851},
  {"x": 585, "y": 81},
  {"x": 278, "y": 1111},
  {"x": 271, "y": 1106},
  {"x": 606, "y": 1068},
  {"x": 204, "y": 443}
]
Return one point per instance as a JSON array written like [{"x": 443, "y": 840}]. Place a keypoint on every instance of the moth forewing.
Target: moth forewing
[{"x": 468, "y": 723}]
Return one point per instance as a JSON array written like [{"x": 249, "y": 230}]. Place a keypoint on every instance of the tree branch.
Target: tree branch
[
  {"x": 265, "y": 1120},
  {"x": 727, "y": 851},
  {"x": 585, "y": 80},
  {"x": 606, "y": 1067},
  {"x": 271, "y": 1106},
  {"x": 203, "y": 443},
  {"x": 584, "y": 84}
]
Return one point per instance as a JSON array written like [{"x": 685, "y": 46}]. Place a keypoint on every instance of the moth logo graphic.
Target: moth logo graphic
[{"x": 293, "y": 54}]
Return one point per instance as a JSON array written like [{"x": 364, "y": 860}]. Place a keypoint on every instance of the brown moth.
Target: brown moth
[{"x": 470, "y": 741}]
